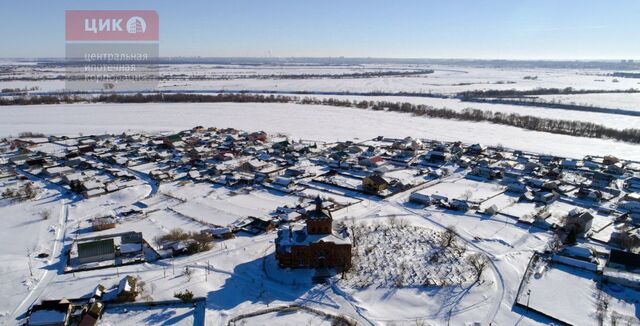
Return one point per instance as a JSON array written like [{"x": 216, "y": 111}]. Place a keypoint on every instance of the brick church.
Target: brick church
[{"x": 314, "y": 244}]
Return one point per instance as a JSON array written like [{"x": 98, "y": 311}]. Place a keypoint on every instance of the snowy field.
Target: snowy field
[
  {"x": 615, "y": 101},
  {"x": 609, "y": 120},
  {"x": 446, "y": 79},
  {"x": 299, "y": 121}
]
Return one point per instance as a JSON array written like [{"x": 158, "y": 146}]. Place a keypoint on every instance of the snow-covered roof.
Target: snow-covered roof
[{"x": 297, "y": 235}]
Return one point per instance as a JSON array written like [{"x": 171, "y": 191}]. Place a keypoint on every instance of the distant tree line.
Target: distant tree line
[
  {"x": 473, "y": 94},
  {"x": 369, "y": 74},
  {"x": 556, "y": 126},
  {"x": 626, "y": 74}
]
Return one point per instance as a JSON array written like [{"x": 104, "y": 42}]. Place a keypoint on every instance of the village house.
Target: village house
[
  {"x": 127, "y": 289},
  {"x": 314, "y": 245},
  {"x": 374, "y": 184}
]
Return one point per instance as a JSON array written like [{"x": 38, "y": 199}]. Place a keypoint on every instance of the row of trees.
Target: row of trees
[
  {"x": 566, "y": 127},
  {"x": 369, "y": 74},
  {"x": 538, "y": 91}
]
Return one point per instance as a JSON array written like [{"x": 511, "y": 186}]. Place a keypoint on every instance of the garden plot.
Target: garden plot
[
  {"x": 563, "y": 292},
  {"x": 149, "y": 227},
  {"x": 344, "y": 181},
  {"x": 287, "y": 318},
  {"x": 521, "y": 210},
  {"x": 159, "y": 202},
  {"x": 396, "y": 255},
  {"x": 406, "y": 176},
  {"x": 168, "y": 220},
  {"x": 192, "y": 190},
  {"x": 148, "y": 167},
  {"x": 50, "y": 149},
  {"x": 339, "y": 199},
  {"x": 149, "y": 315},
  {"x": 106, "y": 204},
  {"x": 501, "y": 202},
  {"x": 224, "y": 210},
  {"x": 465, "y": 189}
]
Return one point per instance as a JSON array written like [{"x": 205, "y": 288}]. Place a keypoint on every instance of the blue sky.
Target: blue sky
[{"x": 503, "y": 29}]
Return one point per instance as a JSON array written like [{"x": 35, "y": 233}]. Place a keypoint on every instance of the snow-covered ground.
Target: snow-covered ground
[
  {"x": 607, "y": 100},
  {"x": 446, "y": 79},
  {"x": 25, "y": 234},
  {"x": 238, "y": 279},
  {"x": 148, "y": 315},
  {"x": 299, "y": 121}
]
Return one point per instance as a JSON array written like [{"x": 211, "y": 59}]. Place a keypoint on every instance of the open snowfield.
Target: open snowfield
[
  {"x": 446, "y": 79},
  {"x": 610, "y": 120},
  {"x": 299, "y": 121},
  {"x": 614, "y": 101}
]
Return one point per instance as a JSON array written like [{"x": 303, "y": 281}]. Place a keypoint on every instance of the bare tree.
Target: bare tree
[
  {"x": 402, "y": 223},
  {"x": 448, "y": 237},
  {"x": 479, "y": 264},
  {"x": 393, "y": 220}
]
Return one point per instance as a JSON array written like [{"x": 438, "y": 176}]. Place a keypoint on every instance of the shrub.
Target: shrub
[{"x": 186, "y": 296}]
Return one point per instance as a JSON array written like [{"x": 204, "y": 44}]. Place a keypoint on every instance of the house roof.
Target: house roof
[
  {"x": 378, "y": 180},
  {"x": 300, "y": 237}
]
